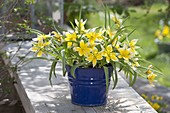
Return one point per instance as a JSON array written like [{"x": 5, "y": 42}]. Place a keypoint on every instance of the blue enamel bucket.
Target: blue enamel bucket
[{"x": 89, "y": 86}]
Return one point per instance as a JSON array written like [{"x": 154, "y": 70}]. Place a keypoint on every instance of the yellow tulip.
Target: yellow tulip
[
  {"x": 92, "y": 36},
  {"x": 109, "y": 54},
  {"x": 70, "y": 37},
  {"x": 39, "y": 46},
  {"x": 132, "y": 44},
  {"x": 124, "y": 53},
  {"x": 57, "y": 36},
  {"x": 81, "y": 25},
  {"x": 94, "y": 56},
  {"x": 83, "y": 49},
  {"x": 151, "y": 77}
]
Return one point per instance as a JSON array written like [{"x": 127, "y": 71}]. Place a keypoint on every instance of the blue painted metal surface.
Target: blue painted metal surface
[{"x": 89, "y": 86}]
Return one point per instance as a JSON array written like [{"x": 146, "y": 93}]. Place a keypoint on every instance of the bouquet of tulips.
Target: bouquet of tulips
[{"x": 96, "y": 47}]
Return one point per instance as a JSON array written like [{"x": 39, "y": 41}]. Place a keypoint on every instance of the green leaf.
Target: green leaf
[
  {"x": 72, "y": 25},
  {"x": 126, "y": 73},
  {"x": 124, "y": 20},
  {"x": 108, "y": 16},
  {"x": 106, "y": 72},
  {"x": 52, "y": 70},
  {"x": 142, "y": 67},
  {"x": 112, "y": 76},
  {"x": 73, "y": 68},
  {"x": 105, "y": 18},
  {"x": 134, "y": 79},
  {"x": 35, "y": 31},
  {"x": 80, "y": 19},
  {"x": 38, "y": 58},
  {"x": 54, "y": 26},
  {"x": 131, "y": 32},
  {"x": 54, "y": 65},
  {"x": 63, "y": 61},
  {"x": 120, "y": 68},
  {"x": 130, "y": 78},
  {"x": 116, "y": 76},
  {"x": 119, "y": 31}
]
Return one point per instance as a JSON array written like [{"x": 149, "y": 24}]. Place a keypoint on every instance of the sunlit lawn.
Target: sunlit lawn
[{"x": 145, "y": 27}]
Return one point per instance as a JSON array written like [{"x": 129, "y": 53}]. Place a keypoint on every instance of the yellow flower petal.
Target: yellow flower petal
[
  {"x": 120, "y": 56},
  {"x": 90, "y": 57},
  {"x": 34, "y": 49},
  {"x": 39, "y": 54},
  {"x": 151, "y": 77},
  {"x": 40, "y": 37},
  {"x": 117, "y": 46},
  {"x": 69, "y": 44},
  {"x": 133, "y": 42},
  {"x": 108, "y": 59},
  {"x": 148, "y": 72},
  {"x": 113, "y": 57},
  {"x": 109, "y": 48},
  {"x": 46, "y": 43},
  {"x": 79, "y": 50},
  {"x": 94, "y": 62},
  {"x": 70, "y": 37},
  {"x": 82, "y": 45},
  {"x": 124, "y": 53},
  {"x": 40, "y": 43},
  {"x": 57, "y": 36},
  {"x": 99, "y": 56},
  {"x": 135, "y": 64}
]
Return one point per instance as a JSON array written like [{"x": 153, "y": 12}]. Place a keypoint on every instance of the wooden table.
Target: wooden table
[{"x": 38, "y": 96}]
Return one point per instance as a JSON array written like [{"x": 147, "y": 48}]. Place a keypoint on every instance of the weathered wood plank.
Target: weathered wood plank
[
  {"x": 21, "y": 91},
  {"x": 89, "y": 110}
]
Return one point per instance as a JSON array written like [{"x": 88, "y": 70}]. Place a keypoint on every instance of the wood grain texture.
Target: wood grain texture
[{"x": 56, "y": 99}]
